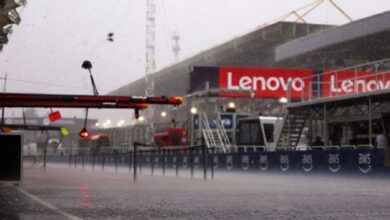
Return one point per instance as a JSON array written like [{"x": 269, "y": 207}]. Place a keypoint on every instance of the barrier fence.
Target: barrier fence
[{"x": 204, "y": 160}]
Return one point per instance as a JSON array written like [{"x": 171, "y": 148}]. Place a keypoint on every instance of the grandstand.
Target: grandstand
[{"x": 281, "y": 45}]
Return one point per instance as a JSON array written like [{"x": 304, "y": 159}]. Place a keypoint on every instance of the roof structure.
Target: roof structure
[
  {"x": 283, "y": 44},
  {"x": 253, "y": 49},
  {"x": 361, "y": 41}
]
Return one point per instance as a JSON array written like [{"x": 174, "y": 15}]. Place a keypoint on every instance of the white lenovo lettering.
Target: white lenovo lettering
[
  {"x": 245, "y": 83},
  {"x": 265, "y": 84},
  {"x": 230, "y": 83},
  {"x": 361, "y": 85}
]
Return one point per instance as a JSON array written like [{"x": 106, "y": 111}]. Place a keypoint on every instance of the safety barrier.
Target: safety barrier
[{"x": 332, "y": 159}]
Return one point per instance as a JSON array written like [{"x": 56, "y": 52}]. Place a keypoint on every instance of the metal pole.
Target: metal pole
[
  {"x": 370, "y": 120},
  {"x": 207, "y": 88},
  {"x": 44, "y": 158},
  {"x": 192, "y": 162},
  {"x": 288, "y": 127},
  {"x": 93, "y": 161},
  {"x": 152, "y": 162},
  {"x": 141, "y": 161},
  {"x": 310, "y": 129},
  {"x": 129, "y": 160},
  {"x": 135, "y": 163},
  {"x": 82, "y": 160},
  {"x": 355, "y": 81},
  {"x": 205, "y": 162},
  {"x": 103, "y": 160},
  {"x": 212, "y": 162},
  {"x": 177, "y": 162},
  {"x": 163, "y": 161},
  {"x": 376, "y": 74},
  {"x": 326, "y": 141},
  {"x": 191, "y": 125},
  {"x": 70, "y": 159},
  {"x": 74, "y": 160},
  {"x": 116, "y": 161}
]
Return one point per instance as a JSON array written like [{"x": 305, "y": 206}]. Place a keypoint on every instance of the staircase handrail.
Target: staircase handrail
[
  {"x": 224, "y": 136},
  {"x": 207, "y": 130},
  {"x": 279, "y": 124}
]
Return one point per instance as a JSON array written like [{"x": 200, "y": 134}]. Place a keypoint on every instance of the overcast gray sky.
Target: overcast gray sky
[{"x": 55, "y": 37}]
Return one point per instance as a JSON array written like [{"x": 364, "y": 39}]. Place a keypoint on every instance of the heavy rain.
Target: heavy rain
[{"x": 179, "y": 109}]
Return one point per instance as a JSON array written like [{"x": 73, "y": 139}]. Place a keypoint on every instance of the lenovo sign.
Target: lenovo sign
[
  {"x": 349, "y": 82},
  {"x": 264, "y": 82},
  {"x": 275, "y": 82}
]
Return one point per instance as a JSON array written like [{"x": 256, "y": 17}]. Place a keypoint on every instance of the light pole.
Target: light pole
[{"x": 88, "y": 65}]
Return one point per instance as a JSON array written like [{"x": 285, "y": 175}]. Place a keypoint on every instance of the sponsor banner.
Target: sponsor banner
[
  {"x": 284, "y": 162},
  {"x": 274, "y": 82},
  {"x": 227, "y": 121},
  {"x": 307, "y": 162},
  {"x": 245, "y": 162},
  {"x": 334, "y": 162},
  {"x": 350, "y": 82},
  {"x": 263, "y": 162},
  {"x": 365, "y": 161},
  {"x": 196, "y": 121},
  {"x": 265, "y": 82}
]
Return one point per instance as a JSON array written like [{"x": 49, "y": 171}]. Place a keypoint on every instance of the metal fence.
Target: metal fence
[{"x": 205, "y": 161}]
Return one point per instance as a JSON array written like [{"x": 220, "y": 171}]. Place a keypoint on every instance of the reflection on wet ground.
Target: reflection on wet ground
[
  {"x": 91, "y": 194},
  {"x": 15, "y": 205}
]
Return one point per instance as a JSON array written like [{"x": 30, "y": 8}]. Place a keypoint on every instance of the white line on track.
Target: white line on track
[{"x": 48, "y": 205}]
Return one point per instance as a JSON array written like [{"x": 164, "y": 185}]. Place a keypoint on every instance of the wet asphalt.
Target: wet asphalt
[{"x": 77, "y": 193}]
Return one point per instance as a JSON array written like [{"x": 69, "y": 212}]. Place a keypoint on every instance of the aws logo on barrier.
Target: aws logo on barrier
[{"x": 265, "y": 82}]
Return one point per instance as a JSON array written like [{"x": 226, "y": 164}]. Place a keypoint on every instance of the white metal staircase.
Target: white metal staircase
[
  {"x": 215, "y": 138},
  {"x": 293, "y": 124},
  {"x": 222, "y": 130}
]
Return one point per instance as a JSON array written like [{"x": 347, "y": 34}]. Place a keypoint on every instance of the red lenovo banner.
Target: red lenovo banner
[
  {"x": 351, "y": 82},
  {"x": 265, "y": 82}
]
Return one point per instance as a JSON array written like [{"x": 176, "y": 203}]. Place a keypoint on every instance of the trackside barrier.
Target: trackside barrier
[{"x": 332, "y": 159}]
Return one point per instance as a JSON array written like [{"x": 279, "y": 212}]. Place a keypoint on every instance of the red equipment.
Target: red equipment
[
  {"x": 54, "y": 116},
  {"x": 84, "y": 133},
  {"x": 96, "y": 142},
  {"x": 172, "y": 137},
  {"x": 83, "y": 101}
]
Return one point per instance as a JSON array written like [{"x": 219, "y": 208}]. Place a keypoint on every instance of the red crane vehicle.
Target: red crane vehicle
[{"x": 171, "y": 137}]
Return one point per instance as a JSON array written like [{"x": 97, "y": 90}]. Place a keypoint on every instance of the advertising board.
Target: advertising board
[
  {"x": 293, "y": 83},
  {"x": 261, "y": 82},
  {"x": 350, "y": 82},
  {"x": 265, "y": 82}
]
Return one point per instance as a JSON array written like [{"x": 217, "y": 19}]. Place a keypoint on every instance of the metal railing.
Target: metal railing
[
  {"x": 207, "y": 132},
  {"x": 137, "y": 158},
  {"x": 202, "y": 160},
  {"x": 359, "y": 79},
  {"x": 223, "y": 134},
  {"x": 279, "y": 124}
]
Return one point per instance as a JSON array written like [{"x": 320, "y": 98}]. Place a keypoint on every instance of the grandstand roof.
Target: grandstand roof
[
  {"x": 253, "y": 49},
  {"x": 356, "y": 42},
  {"x": 283, "y": 44}
]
